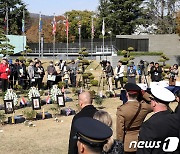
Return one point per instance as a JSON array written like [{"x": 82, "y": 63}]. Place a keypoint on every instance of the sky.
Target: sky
[{"x": 59, "y": 7}]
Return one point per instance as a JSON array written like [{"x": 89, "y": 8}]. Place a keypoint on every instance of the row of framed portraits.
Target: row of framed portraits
[{"x": 36, "y": 103}]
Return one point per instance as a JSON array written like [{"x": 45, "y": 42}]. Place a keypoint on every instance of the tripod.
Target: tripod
[{"x": 102, "y": 79}]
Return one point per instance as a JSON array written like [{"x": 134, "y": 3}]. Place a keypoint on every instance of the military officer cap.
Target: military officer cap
[
  {"x": 162, "y": 94},
  {"x": 92, "y": 132},
  {"x": 132, "y": 88}
]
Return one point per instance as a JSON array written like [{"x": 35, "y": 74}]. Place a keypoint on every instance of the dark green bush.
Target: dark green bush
[
  {"x": 120, "y": 53},
  {"x": 98, "y": 100},
  {"x": 94, "y": 82}
]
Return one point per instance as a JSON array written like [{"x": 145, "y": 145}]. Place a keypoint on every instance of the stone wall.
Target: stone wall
[{"x": 167, "y": 43}]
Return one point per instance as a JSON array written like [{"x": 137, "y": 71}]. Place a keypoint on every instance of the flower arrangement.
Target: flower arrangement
[
  {"x": 11, "y": 95},
  {"x": 33, "y": 92},
  {"x": 54, "y": 92}
]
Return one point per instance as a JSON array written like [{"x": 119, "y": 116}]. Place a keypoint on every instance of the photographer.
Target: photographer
[
  {"x": 143, "y": 71},
  {"x": 173, "y": 75},
  {"x": 156, "y": 72},
  {"x": 119, "y": 73},
  {"x": 109, "y": 75}
]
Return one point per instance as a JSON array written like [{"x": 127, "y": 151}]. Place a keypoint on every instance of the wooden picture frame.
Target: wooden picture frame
[
  {"x": 60, "y": 100},
  {"x": 8, "y": 106},
  {"x": 36, "y": 103}
]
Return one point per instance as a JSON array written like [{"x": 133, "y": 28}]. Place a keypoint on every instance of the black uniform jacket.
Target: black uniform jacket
[
  {"x": 87, "y": 111},
  {"x": 160, "y": 126}
]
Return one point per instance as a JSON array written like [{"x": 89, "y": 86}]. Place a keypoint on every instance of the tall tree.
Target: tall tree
[
  {"x": 15, "y": 14},
  {"x": 5, "y": 47},
  {"x": 162, "y": 14},
  {"x": 80, "y": 18},
  {"x": 121, "y": 16}
]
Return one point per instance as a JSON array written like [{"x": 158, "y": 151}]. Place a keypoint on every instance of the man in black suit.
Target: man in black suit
[
  {"x": 161, "y": 125},
  {"x": 87, "y": 110}
]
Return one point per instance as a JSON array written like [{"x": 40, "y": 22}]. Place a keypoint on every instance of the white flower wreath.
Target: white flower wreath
[
  {"x": 33, "y": 92},
  {"x": 11, "y": 95},
  {"x": 54, "y": 92}
]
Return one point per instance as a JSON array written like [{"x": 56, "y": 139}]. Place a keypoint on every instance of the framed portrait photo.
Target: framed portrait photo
[
  {"x": 8, "y": 106},
  {"x": 36, "y": 103},
  {"x": 60, "y": 100}
]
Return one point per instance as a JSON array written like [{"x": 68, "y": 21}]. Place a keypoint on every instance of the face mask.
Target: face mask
[{"x": 51, "y": 64}]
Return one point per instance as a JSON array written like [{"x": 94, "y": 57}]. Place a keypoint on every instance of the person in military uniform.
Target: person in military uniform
[
  {"x": 130, "y": 116},
  {"x": 87, "y": 110},
  {"x": 162, "y": 124},
  {"x": 91, "y": 135}
]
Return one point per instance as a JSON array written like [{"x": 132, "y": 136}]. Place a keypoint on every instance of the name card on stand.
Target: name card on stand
[
  {"x": 142, "y": 86},
  {"x": 153, "y": 84}
]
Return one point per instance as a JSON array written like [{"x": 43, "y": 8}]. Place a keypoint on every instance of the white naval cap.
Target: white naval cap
[{"x": 162, "y": 94}]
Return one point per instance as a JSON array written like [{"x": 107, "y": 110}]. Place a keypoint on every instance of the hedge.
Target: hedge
[{"x": 119, "y": 53}]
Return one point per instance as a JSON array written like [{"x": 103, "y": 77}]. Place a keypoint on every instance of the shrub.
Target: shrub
[
  {"x": 98, "y": 100},
  {"x": 109, "y": 94},
  {"x": 21, "y": 58},
  {"x": 91, "y": 77},
  {"x": 29, "y": 114},
  {"x": 85, "y": 62},
  {"x": 2, "y": 117},
  {"x": 125, "y": 80},
  {"x": 130, "y": 49},
  {"x": 85, "y": 76},
  {"x": 61, "y": 84},
  {"x": 94, "y": 82},
  {"x": 120, "y": 53},
  {"x": 123, "y": 52},
  {"x": 92, "y": 92}
]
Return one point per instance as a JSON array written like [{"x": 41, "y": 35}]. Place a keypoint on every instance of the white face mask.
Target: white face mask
[{"x": 51, "y": 64}]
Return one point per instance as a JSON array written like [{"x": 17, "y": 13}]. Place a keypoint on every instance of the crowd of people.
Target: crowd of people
[
  {"x": 33, "y": 74},
  {"x": 144, "y": 71},
  {"x": 18, "y": 73},
  {"x": 91, "y": 131}
]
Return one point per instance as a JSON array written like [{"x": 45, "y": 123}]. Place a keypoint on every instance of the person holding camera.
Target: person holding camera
[
  {"x": 173, "y": 75},
  {"x": 119, "y": 74},
  {"x": 156, "y": 72},
  {"x": 109, "y": 74}
]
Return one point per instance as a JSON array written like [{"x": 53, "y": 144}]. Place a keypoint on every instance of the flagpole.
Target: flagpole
[
  {"x": 7, "y": 28},
  {"x": 54, "y": 46},
  {"x": 23, "y": 30},
  {"x": 103, "y": 33},
  {"x": 67, "y": 33},
  {"x": 7, "y": 22},
  {"x": 39, "y": 33},
  {"x": 92, "y": 36},
  {"x": 54, "y": 34}
]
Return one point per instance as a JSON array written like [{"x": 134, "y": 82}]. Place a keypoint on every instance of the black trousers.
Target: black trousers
[
  {"x": 50, "y": 84},
  {"x": 11, "y": 82},
  {"x": 38, "y": 82},
  {"x": 118, "y": 79},
  {"x": 73, "y": 79},
  {"x": 4, "y": 83}
]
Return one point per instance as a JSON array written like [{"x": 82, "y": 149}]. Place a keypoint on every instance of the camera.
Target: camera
[{"x": 103, "y": 64}]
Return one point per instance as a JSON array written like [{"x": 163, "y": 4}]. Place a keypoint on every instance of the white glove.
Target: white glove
[{"x": 7, "y": 69}]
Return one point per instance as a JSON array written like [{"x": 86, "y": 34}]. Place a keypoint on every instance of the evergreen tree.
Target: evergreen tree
[
  {"x": 121, "y": 16},
  {"x": 5, "y": 47},
  {"x": 15, "y": 14}
]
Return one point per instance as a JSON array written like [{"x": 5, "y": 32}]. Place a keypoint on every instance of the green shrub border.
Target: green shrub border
[{"x": 119, "y": 53}]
